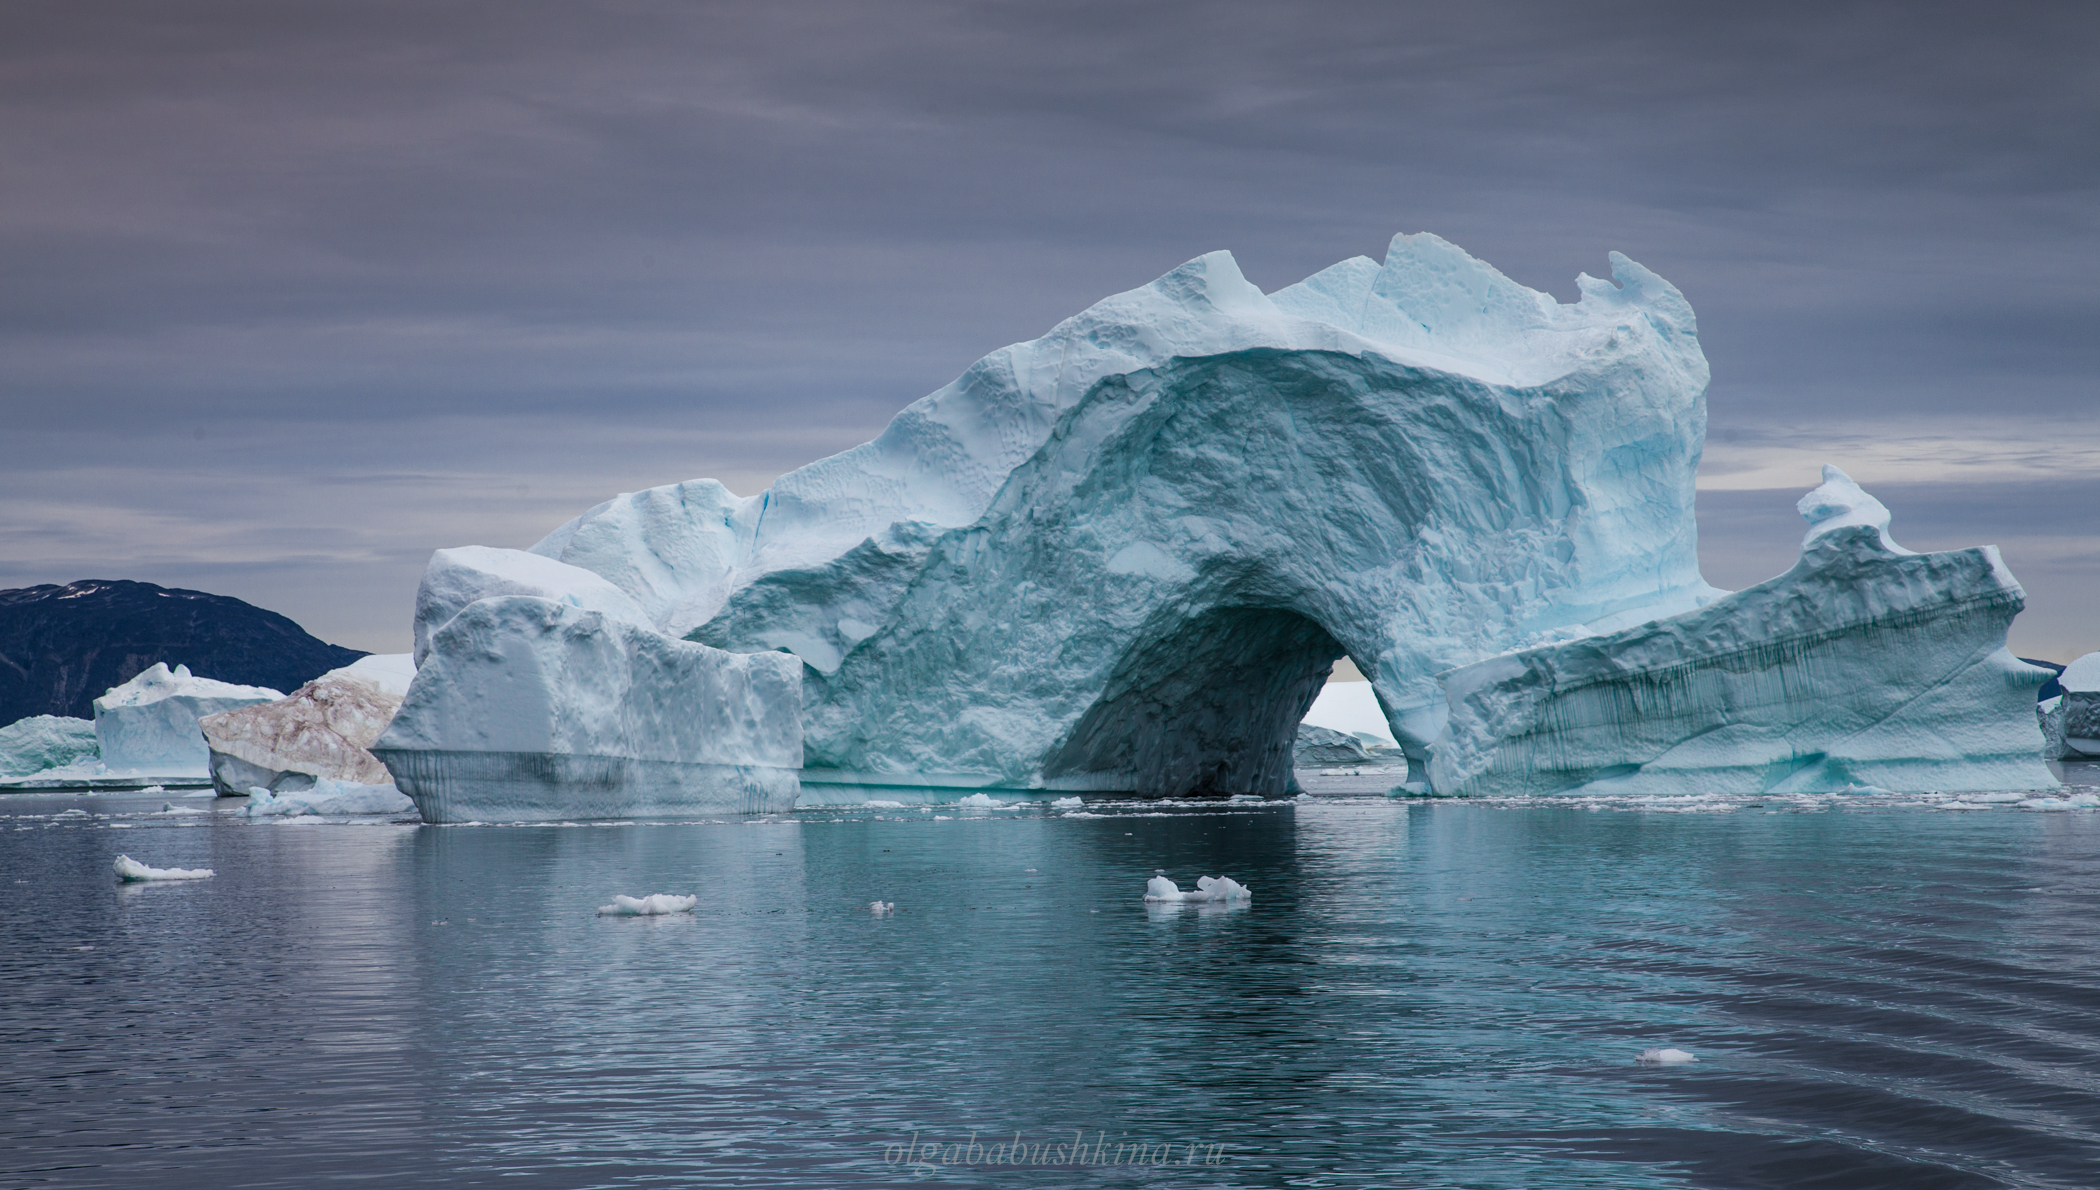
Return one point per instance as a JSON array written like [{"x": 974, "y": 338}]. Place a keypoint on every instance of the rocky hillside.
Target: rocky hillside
[{"x": 60, "y": 647}]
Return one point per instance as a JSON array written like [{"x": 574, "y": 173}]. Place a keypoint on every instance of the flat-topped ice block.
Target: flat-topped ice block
[
  {"x": 148, "y": 725},
  {"x": 533, "y": 710},
  {"x": 1866, "y": 665}
]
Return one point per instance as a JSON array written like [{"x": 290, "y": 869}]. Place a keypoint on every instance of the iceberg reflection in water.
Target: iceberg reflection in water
[{"x": 1423, "y": 993}]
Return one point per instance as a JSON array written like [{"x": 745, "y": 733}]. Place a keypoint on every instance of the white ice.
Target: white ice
[
  {"x": 1665, "y": 1057},
  {"x": 1159, "y": 889},
  {"x": 652, "y": 905},
  {"x": 129, "y": 869},
  {"x": 882, "y": 908},
  {"x": 41, "y": 743},
  {"x": 1418, "y": 462},
  {"x": 1864, "y": 665},
  {"x": 148, "y": 725}
]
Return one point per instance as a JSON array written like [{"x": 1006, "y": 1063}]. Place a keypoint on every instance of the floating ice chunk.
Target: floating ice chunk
[
  {"x": 981, "y": 801},
  {"x": 1068, "y": 803},
  {"x": 172, "y": 808},
  {"x": 653, "y": 905},
  {"x": 882, "y": 908},
  {"x": 1665, "y": 1057},
  {"x": 1958, "y": 805},
  {"x": 884, "y": 805},
  {"x": 75, "y": 812},
  {"x": 129, "y": 869},
  {"x": 1159, "y": 889},
  {"x": 328, "y": 799}
]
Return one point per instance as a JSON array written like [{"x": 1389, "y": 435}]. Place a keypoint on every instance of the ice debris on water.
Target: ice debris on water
[
  {"x": 882, "y": 908},
  {"x": 129, "y": 869},
  {"x": 653, "y": 905},
  {"x": 1159, "y": 889},
  {"x": 981, "y": 801},
  {"x": 172, "y": 808},
  {"x": 1665, "y": 1057},
  {"x": 1068, "y": 803},
  {"x": 328, "y": 799}
]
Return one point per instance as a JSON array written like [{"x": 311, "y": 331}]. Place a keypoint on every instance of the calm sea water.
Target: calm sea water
[{"x": 1420, "y": 994}]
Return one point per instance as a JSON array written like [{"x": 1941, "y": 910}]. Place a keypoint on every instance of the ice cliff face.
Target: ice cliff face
[
  {"x": 1865, "y": 664},
  {"x": 148, "y": 725},
  {"x": 40, "y": 742},
  {"x": 534, "y": 709},
  {"x": 1125, "y": 555}
]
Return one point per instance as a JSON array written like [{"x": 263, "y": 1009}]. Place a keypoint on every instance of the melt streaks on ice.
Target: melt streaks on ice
[{"x": 1866, "y": 665}]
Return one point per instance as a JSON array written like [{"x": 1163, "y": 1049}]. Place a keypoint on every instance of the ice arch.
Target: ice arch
[
  {"x": 1209, "y": 704},
  {"x": 1124, "y": 553}
]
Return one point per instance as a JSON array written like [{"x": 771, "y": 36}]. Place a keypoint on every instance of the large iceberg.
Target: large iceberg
[
  {"x": 1125, "y": 555},
  {"x": 2071, "y": 724},
  {"x": 148, "y": 725},
  {"x": 43, "y": 742},
  {"x": 1864, "y": 665},
  {"x": 534, "y": 709},
  {"x": 323, "y": 730}
]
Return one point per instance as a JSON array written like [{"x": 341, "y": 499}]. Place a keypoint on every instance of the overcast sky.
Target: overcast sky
[{"x": 296, "y": 293}]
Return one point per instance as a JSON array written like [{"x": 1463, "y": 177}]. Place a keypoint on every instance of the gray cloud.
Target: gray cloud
[{"x": 430, "y": 252}]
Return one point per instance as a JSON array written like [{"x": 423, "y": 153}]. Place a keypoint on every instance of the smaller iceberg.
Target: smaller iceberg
[
  {"x": 528, "y": 709},
  {"x": 653, "y": 905},
  {"x": 882, "y": 908},
  {"x": 44, "y": 742},
  {"x": 2071, "y": 721},
  {"x": 328, "y": 798},
  {"x": 1160, "y": 890},
  {"x": 129, "y": 870},
  {"x": 1665, "y": 1057},
  {"x": 148, "y": 725},
  {"x": 1864, "y": 665},
  {"x": 324, "y": 730}
]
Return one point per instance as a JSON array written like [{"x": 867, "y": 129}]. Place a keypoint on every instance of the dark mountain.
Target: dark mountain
[{"x": 61, "y": 647}]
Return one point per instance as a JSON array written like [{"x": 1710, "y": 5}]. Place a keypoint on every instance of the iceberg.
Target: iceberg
[
  {"x": 2071, "y": 727},
  {"x": 1323, "y": 747},
  {"x": 41, "y": 742},
  {"x": 1124, "y": 556},
  {"x": 532, "y": 709},
  {"x": 148, "y": 725},
  {"x": 1863, "y": 665},
  {"x": 323, "y": 730}
]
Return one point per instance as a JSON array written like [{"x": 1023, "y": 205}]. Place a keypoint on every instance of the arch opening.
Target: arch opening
[{"x": 1206, "y": 707}]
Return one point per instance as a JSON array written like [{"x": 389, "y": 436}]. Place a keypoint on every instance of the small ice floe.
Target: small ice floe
[
  {"x": 1958, "y": 805},
  {"x": 1068, "y": 803},
  {"x": 982, "y": 801},
  {"x": 328, "y": 798},
  {"x": 172, "y": 808},
  {"x": 75, "y": 812},
  {"x": 154, "y": 789},
  {"x": 882, "y": 908},
  {"x": 2077, "y": 801},
  {"x": 652, "y": 905},
  {"x": 884, "y": 805},
  {"x": 129, "y": 869},
  {"x": 1664, "y": 1057},
  {"x": 1159, "y": 889}
]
